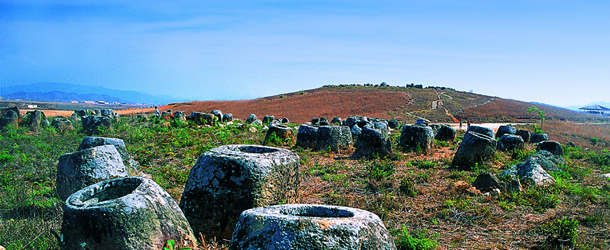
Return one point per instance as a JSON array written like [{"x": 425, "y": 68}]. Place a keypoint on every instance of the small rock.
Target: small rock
[
  {"x": 252, "y": 130},
  {"x": 459, "y": 186}
]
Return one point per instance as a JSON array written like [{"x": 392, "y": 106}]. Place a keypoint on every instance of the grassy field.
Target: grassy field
[{"x": 413, "y": 193}]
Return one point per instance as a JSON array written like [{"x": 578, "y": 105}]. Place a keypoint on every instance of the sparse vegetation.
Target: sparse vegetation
[{"x": 410, "y": 192}]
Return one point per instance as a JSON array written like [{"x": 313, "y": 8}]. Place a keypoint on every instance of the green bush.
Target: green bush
[
  {"x": 407, "y": 187},
  {"x": 381, "y": 169},
  {"x": 560, "y": 233},
  {"x": 419, "y": 241}
]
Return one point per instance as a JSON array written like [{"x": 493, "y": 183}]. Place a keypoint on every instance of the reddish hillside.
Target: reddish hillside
[
  {"x": 506, "y": 110},
  {"x": 302, "y": 106},
  {"x": 401, "y": 103}
]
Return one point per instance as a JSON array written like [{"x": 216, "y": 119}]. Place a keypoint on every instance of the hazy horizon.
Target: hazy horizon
[{"x": 553, "y": 52}]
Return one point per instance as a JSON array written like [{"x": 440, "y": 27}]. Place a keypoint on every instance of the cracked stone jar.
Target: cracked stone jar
[
  {"x": 123, "y": 213},
  {"x": 229, "y": 179},
  {"x": 305, "y": 226}
]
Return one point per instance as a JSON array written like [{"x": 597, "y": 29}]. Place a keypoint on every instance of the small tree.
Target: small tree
[{"x": 541, "y": 114}]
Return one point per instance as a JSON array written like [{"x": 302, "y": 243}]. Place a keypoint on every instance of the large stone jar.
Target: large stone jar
[
  {"x": 229, "y": 179},
  {"x": 304, "y": 226},
  {"x": 132, "y": 166},
  {"x": 89, "y": 166},
  {"x": 124, "y": 213}
]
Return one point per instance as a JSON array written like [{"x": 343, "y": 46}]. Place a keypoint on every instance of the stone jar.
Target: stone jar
[
  {"x": 133, "y": 167},
  {"x": 124, "y": 213},
  {"x": 229, "y": 179},
  {"x": 304, "y": 226},
  {"x": 89, "y": 166}
]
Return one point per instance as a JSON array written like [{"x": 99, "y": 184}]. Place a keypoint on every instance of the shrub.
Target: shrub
[
  {"x": 381, "y": 169},
  {"x": 561, "y": 232},
  {"x": 420, "y": 241},
  {"x": 407, "y": 187}
]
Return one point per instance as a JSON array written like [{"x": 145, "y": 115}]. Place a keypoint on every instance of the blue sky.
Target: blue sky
[{"x": 555, "y": 52}]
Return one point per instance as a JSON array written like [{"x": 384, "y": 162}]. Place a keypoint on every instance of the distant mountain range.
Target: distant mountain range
[{"x": 66, "y": 92}]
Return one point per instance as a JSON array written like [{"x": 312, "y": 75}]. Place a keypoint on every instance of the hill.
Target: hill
[
  {"x": 65, "y": 92},
  {"x": 403, "y": 103}
]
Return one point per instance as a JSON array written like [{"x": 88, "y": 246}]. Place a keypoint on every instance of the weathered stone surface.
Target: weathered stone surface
[
  {"x": 536, "y": 138},
  {"x": 482, "y": 130},
  {"x": 551, "y": 146},
  {"x": 284, "y": 134},
  {"x": 361, "y": 121},
  {"x": 9, "y": 117},
  {"x": 257, "y": 123},
  {"x": 33, "y": 118},
  {"x": 356, "y": 131},
  {"x": 307, "y": 136},
  {"x": 445, "y": 133},
  {"x": 417, "y": 137},
  {"x": 486, "y": 182},
  {"x": 529, "y": 173},
  {"x": 475, "y": 149},
  {"x": 393, "y": 124},
  {"x": 251, "y": 119},
  {"x": 45, "y": 123},
  {"x": 229, "y": 179},
  {"x": 108, "y": 113},
  {"x": 323, "y": 122},
  {"x": 372, "y": 142},
  {"x": 506, "y": 130},
  {"x": 304, "y": 226},
  {"x": 315, "y": 121},
  {"x": 381, "y": 125},
  {"x": 525, "y": 135},
  {"x": 80, "y": 112},
  {"x": 335, "y": 137},
  {"x": 179, "y": 115},
  {"x": 218, "y": 115},
  {"x": 268, "y": 119},
  {"x": 133, "y": 167},
  {"x": 92, "y": 124},
  {"x": 124, "y": 213},
  {"x": 85, "y": 167},
  {"x": 510, "y": 142},
  {"x": 514, "y": 186},
  {"x": 61, "y": 124},
  {"x": 202, "y": 118},
  {"x": 227, "y": 117},
  {"x": 547, "y": 160},
  {"x": 336, "y": 120}
]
